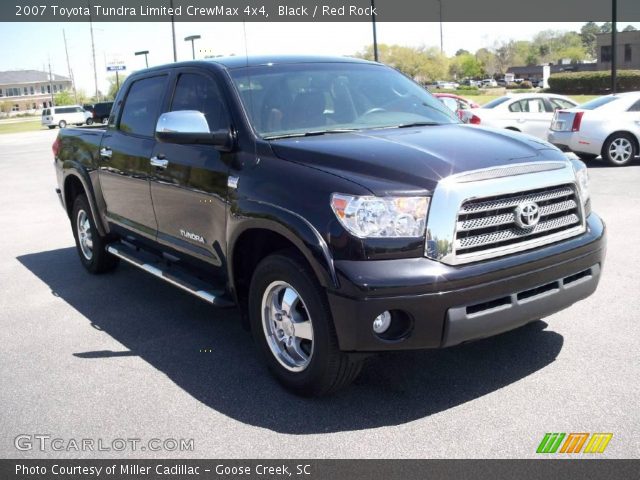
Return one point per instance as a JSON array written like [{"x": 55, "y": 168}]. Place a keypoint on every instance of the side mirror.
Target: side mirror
[{"x": 191, "y": 127}]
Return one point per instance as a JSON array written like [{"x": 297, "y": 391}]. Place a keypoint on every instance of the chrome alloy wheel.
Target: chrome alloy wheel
[
  {"x": 84, "y": 234},
  {"x": 287, "y": 326},
  {"x": 620, "y": 150}
]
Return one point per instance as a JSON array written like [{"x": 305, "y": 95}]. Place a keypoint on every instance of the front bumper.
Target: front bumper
[{"x": 447, "y": 305}]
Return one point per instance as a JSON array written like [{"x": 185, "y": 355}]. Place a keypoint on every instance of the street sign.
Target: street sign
[{"x": 115, "y": 63}]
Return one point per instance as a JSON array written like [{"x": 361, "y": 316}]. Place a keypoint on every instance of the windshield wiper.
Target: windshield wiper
[{"x": 310, "y": 134}]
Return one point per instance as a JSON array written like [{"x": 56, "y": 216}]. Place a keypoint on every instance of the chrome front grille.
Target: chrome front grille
[{"x": 488, "y": 224}]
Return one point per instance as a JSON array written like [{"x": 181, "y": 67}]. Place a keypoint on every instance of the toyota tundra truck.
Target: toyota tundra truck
[{"x": 337, "y": 204}]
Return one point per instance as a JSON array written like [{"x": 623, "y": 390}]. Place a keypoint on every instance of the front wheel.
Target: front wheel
[
  {"x": 89, "y": 121},
  {"x": 619, "y": 149},
  {"x": 62, "y": 124},
  {"x": 90, "y": 244},
  {"x": 292, "y": 325}
]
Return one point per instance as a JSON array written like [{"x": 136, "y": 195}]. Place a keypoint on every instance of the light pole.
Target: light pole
[
  {"x": 192, "y": 38},
  {"x": 614, "y": 46},
  {"x": 173, "y": 33},
  {"x": 145, "y": 53},
  {"x": 375, "y": 35}
]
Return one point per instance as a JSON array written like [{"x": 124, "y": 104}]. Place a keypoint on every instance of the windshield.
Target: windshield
[
  {"x": 495, "y": 103},
  {"x": 598, "y": 102},
  {"x": 315, "y": 98}
]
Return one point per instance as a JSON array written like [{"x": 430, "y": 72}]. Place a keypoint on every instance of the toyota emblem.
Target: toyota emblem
[{"x": 527, "y": 215}]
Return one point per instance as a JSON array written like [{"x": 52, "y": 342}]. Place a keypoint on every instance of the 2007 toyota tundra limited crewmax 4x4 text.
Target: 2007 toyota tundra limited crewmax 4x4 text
[{"x": 340, "y": 206}]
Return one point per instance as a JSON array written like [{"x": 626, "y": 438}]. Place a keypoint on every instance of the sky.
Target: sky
[{"x": 33, "y": 45}]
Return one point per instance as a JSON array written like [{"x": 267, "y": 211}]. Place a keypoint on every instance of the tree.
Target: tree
[
  {"x": 5, "y": 107},
  {"x": 64, "y": 98},
  {"x": 465, "y": 65},
  {"x": 420, "y": 63},
  {"x": 606, "y": 27},
  {"x": 629, "y": 28},
  {"x": 462, "y": 51},
  {"x": 488, "y": 61},
  {"x": 113, "y": 86},
  {"x": 588, "y": 34}
]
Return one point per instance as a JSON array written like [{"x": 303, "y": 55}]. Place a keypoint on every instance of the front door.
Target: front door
[
  {"x": 189, "y": 191},
  {"x": 125, "y": 154}
]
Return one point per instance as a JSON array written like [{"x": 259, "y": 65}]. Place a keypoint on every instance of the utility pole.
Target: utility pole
[
  {"x": 375, "y": 35},
  {"x": 614, "y": 46},
  {"x": 73, "y": 82},
  {"x": 441, "y": 42},
  {"x": 93, "y": 53},
  {"x": 53, "y": 103},
  {"x": 173, "y": 34}
]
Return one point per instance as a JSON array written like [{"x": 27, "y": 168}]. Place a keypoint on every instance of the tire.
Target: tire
[
  {"x": 51, "y": 127},
  {"x": 93, "y": 254},
  {"x": 89, "y": 121},
  {"x": 326, "y": 369},
  {"x": 586, "y": 156},
  {"x": 620, "y": 149},
  {"x": 62, "y": 124},
  {"x": 105, "y": 120}
]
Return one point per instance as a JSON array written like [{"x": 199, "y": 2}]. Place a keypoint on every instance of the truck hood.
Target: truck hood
[{"x": 412, "y": 159}]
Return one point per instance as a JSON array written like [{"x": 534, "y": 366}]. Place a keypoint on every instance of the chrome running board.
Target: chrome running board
[{"x": 170, "y": 274}]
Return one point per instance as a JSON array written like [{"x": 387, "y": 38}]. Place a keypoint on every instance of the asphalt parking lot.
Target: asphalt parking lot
[{"x": 126, "y": 356}]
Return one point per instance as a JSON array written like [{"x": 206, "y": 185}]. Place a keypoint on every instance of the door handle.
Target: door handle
[
  {"x": 105, "y": 152},
  {"x": 159, "y": 162}
]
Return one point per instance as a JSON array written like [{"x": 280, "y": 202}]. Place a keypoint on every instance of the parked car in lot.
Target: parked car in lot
[
  {"x": 458, "y": 104},
  {"x": 440, "y": 84},
  {"x": 489, "y": 82},
  {"x": 63, "y": 116},
  {"x": 522, "y": 112},
  {"x": 339, "y": 205},
  {"x": 607, "y": 126},
  {"x": 99, "y": 111}
]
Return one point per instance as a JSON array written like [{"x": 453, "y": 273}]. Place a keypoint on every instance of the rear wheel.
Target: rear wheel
[
  {"x": 105, "y": 120},
  {"x": 51, "y": 127},
  {"x": 292, "y": 325},
  {"x": 62, "y": 124},
  {"x": 619, "y": 149},
  {"x": 90, "y": 244}
]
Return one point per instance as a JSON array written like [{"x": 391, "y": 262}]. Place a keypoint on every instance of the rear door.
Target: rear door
[
  {"x": 125, "y": 152},
  {"x": 531, "y": 116},
  {"x": 189, "y": 194}
]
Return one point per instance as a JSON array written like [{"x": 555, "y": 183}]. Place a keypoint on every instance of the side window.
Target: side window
[
  {"x": 142, "y": 105},
  {"x": 449, "y": 102},
  {"x": 200, "y": 93},
  {"x": 517, "y": 106},
  {"x": 635, "y": 107}
]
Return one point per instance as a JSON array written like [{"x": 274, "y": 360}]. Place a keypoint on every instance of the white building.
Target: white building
[{"x": 29, "y": 90}]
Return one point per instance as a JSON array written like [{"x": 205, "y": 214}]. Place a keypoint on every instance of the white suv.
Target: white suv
[{"x": 62, "y": 116}]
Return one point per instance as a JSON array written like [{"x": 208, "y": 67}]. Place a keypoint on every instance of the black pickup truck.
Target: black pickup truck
[{"x": 336, "y": 203}]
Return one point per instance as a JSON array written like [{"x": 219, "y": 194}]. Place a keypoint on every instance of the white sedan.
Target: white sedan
[
  {"x": 607, "y": 126},
  {"x": 523, "y": 112}
]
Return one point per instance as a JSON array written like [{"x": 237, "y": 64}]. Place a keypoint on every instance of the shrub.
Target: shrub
[
  {"x": 468, "y": 87},
  {"x": 526, "y": 84},
  {"x": 593, "y": 82},
  {"x": 512, "y": 86}
]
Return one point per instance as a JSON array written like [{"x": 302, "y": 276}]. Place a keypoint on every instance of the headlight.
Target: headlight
[
  {"x": 369, "y": 216},
  {"x": 582, "y": 179}
]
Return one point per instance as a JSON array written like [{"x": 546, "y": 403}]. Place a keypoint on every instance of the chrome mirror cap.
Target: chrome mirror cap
[{"x": 182, "y": 121}]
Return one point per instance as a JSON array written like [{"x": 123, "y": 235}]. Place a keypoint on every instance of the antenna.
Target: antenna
[{"x": 73, "y": 82}]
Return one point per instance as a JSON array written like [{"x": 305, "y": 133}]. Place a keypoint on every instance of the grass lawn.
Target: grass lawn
[
  {"x": 18, "y": 127},
  {"x": 482, "y": 99}
]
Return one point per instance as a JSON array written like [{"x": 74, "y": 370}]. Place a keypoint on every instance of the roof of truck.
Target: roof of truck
[{"x": 253, "y": 61}]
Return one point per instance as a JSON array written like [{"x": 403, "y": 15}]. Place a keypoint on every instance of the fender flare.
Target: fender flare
[
  {"x": 290, "y": 225},
  {"x": 71, "y": 168}
]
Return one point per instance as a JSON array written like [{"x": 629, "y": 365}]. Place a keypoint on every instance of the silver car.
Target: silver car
[{"x": 607, "y": 126}]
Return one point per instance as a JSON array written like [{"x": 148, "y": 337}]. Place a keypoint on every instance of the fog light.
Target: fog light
[{"x": 382, "y": 322}]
